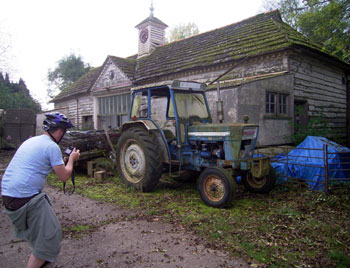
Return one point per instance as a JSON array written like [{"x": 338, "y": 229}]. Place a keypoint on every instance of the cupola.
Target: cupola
[{"x": 151, "y": 34}]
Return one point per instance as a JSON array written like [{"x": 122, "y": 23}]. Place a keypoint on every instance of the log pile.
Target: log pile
[{"x": 89, "y": 142}]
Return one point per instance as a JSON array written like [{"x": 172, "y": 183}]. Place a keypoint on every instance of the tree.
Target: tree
[
  {"x": 326, "y": 22},
  {"x": 69, "y": 69},
  {"x": 182, "y": 31},
  {"x": 329, "y": 24},
  {"x": 16, "y": 95}
]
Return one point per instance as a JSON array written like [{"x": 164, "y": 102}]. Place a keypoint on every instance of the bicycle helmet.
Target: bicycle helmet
[{"x": 56, "y": 120}]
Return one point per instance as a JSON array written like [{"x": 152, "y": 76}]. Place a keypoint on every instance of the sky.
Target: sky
[{"x": 41, "y": 32}]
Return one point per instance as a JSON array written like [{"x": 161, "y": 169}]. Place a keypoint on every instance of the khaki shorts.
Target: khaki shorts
[{"x": 42, "y": 230}]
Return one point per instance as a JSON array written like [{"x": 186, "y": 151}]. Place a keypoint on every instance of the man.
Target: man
[{"x": 27, "y": 206}]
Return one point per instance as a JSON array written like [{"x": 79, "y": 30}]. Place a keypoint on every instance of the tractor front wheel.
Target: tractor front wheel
[
  {"x": 216, "y": 187},
  {"x": 139, "y": 160}
]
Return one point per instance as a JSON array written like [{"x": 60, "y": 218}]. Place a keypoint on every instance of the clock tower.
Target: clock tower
[{"x": 151, "y": 34}]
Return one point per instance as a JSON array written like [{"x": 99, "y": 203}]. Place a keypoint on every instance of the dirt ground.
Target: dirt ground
[{"x": 116, "y": 238}]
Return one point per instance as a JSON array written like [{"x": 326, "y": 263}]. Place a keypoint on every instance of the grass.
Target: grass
[{"x": 286, "y": 228}]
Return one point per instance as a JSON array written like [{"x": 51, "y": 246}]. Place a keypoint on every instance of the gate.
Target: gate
[
  {"x": 17, "y": 126},
  {"x": 327, "y": 170}
]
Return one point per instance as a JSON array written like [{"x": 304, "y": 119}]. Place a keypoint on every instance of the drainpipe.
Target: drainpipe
[
  {"x": 77, "y": 115},
  {"x": 219, "y": 105}
]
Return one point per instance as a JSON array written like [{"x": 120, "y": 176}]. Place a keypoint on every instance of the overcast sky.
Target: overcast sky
[{"x": 43, "y": 31}]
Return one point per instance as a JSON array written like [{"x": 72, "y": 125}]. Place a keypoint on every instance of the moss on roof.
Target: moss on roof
[
  {"x": 262, "y": 34},
  {"x": 85, "y": 83},
  {"x": 258, "y": 35},
  {"x": 127, "y": 66},
  {"x": 82, "y": 85}
]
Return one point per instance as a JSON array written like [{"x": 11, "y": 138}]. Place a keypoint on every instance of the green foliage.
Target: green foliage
[
  {"x": 16, "y": 95},
  {"x": 316, "y": 126},
  {"x": 326, "y": 22},
  {"x": 342, "y": 260},
  {"x": 329, "y": 24},
  {"x": 69, "y": 69},
  {"x": 182, "y": 31},
  {"x": 80, "y": 228}
]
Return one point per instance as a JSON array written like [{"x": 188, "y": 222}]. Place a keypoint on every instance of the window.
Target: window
[
  {"x": 113, "y": 105},
  {"x": 113, "y": 110},
  {"x": 140, "y": 106},
  {"x": 282, "y": 104},
  {"x": 270, "y": 103},
  {"x": 276, "y": 104},
  {"x": 87, "y": 122}
]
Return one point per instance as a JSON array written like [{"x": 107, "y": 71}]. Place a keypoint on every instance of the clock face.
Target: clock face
[{"x": 144, "y": 36}]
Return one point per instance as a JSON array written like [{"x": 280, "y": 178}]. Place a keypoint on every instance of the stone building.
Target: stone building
[{"x": 263, "y": 68}]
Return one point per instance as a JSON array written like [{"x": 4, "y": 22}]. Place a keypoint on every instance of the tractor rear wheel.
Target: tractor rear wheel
[
  {"x": 139, "y": 160},
  {"x": 261, "y": 185},
  {"x": 216, "y": 187}
]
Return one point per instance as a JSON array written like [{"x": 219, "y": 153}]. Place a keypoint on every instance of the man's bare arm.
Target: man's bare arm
[{"x": 64, "y": 172}]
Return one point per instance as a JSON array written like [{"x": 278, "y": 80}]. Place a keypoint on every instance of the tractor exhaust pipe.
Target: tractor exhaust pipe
[
  {"x": 219, "y": 105},
  {"x": 245, "y": 118}
]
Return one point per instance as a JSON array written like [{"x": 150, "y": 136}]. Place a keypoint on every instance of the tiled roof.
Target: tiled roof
[
  {"x": 258, "y": 35},
  {"x": 82, "y": 85},
  {"x": 126, "y": 65},
  {"x": 152, "y": 19}
]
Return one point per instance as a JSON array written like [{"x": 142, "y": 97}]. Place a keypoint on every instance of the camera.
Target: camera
[{"x": 69, "y": 150}]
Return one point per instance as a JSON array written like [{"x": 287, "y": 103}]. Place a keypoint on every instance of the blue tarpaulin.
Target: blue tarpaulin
[{"x": 307, "y": 162}]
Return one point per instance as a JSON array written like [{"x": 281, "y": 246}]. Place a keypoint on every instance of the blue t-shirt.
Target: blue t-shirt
[{"x": 26, "y": 174}]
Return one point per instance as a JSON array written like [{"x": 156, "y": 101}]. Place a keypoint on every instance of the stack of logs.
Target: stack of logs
[{"x": 91, "y": 143}]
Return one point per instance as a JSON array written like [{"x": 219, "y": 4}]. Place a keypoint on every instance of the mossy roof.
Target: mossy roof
[
  {"x": 257, "y": 35},
  {"x": 85, "y": 83},
  {"x": 82, "y": 85},
  {"x": 126, "y": 65},
  {"x": 262, "y": 34}
]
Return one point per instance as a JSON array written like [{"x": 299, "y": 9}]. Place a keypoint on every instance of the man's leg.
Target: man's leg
[{"x": 34, "y": 262}]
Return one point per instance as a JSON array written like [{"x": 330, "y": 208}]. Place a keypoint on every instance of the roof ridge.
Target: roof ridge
[{"x": 273, "y": 14}]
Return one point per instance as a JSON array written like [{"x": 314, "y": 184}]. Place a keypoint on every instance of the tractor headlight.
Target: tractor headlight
[{"x": 249, "y": 133}]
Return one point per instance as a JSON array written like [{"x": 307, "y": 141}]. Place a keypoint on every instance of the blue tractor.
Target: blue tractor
[{"x": 171, "y": 131}]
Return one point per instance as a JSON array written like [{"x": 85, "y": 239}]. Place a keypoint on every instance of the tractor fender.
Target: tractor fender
[
  {"x": 147, "y": 124},
  {"x": 152, "y": 128}
]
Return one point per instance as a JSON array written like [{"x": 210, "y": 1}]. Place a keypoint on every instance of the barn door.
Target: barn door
[{"x": 300, "y": 114}]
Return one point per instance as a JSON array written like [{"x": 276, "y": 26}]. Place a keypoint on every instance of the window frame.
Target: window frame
[
  {"x": 280, "y": 102},
  {"x": 114, "y": 105}
]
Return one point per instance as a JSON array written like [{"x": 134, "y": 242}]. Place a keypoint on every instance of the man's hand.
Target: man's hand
[
  {"x": 74, "y": 155},
  {"x": 64, "y": 171}
]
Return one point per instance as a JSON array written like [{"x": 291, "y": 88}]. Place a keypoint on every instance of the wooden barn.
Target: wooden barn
[{"x": 263, "y": 69}]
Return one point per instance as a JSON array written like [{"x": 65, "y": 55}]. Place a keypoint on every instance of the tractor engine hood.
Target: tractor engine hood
[{"x": 223, "y": 132}]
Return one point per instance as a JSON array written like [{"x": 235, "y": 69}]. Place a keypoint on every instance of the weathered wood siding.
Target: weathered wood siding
[
  {"x": 323, "y": 86},
  {"x": 110, "y": 78},
  {"x": 299, "y": 76},
  {"x": 76, "y": 108}
]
